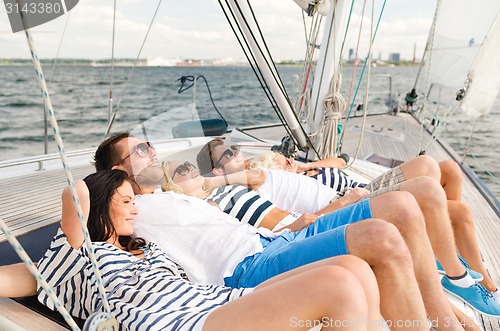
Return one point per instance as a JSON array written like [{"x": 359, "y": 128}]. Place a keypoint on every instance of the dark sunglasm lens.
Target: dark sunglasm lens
[
  {"x": 228, "y": 153},
  {"x": 183, "y": 169}
]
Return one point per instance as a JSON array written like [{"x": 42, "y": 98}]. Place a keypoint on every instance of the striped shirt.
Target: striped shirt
[
  {"x": 242, "y": 203},
  {"x": 144, "y": 294},
  {"x": 334, "y": 178}
]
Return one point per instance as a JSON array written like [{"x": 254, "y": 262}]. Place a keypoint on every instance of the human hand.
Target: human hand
[
  {"x": 356, "y": 194},
  {"x": 303, "y": 222}
]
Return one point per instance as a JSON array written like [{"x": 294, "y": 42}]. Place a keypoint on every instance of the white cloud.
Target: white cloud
[{"x": 198, "y": 29}]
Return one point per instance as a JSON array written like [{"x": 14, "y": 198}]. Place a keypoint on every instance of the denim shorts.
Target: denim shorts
[{"x": 323, "y": 239}]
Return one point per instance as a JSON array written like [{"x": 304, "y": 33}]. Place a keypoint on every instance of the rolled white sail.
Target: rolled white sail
[{"x": 484, "y": 76}]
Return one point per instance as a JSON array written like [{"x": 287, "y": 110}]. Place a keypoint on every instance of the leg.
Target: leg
[
  {"x": 451, "y": 179},
  {"x": 358, "y": 268},
  {"x": 401, "y": 209},
  {"x": 465, "y": 235},
  {"x": 328, "y": 293},
  {"x": 375, "y": 241},
  {"x": 467, "y": 322},
  {"x": 380, "y": 244},
  {"x": 419, "y": 166},
  {"x": 432, "y": 201}
]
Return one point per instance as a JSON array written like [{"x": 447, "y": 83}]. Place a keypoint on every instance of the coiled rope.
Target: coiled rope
[{"x": 69, "y": 176}]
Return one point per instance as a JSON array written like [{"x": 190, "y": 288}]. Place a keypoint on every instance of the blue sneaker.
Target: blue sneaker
[
  {"x": 477, "y": 276},
  {"x": 476, "y": 296}
]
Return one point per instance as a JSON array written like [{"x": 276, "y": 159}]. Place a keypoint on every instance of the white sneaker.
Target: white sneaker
[{"x": 496, "y": 295}]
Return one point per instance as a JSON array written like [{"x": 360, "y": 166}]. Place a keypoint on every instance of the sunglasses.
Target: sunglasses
[
  {"x": 141, "y": 149},
  {"x": 228, "y": 153},
  {"x": 183, "y": 169}
]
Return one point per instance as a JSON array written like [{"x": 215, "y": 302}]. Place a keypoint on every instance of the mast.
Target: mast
[{"x": 242, "y": 12}]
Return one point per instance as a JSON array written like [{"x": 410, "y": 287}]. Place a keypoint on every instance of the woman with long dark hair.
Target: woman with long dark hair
[{"x": 147, "y": 290}]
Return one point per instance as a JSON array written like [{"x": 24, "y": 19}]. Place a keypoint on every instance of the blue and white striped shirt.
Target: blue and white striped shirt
[
  {"x": 144, "y": 294},
  {"x": 242, "y": 203},
  {"x": 334, "y": 178}
]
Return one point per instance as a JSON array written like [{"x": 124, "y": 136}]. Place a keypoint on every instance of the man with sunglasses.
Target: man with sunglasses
[
  {"x": 189, "y": 229},
  {"x": 217, "y": 159}
]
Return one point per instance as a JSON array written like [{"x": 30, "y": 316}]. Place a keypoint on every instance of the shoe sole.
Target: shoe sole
[{"x": 468, "y": 304}]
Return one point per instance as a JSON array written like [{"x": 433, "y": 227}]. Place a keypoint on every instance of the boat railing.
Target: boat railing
[
  {"x": 40, "y": 159},
  {"x": 380, "y": 100}
]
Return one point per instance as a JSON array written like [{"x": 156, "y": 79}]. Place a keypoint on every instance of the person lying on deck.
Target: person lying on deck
[
  {"x": 344, "y": 289},
  {"x": 426, "y": 174},
  {"x": 449, "y": 176},
  {"x": 190, "y": 182},
  {"x": 194, "y": 225}
]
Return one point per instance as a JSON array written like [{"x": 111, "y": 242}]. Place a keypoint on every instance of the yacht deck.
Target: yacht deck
[{"x": 32, "y": 200}]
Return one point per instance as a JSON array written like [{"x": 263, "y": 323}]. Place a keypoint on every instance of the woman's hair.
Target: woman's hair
[
  {"x": 167, "y": 183},
  {"x": 102, "y": 186},
  {"x": 265, "y": 160}
]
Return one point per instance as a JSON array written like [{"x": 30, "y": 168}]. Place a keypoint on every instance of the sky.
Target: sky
[{"x": 197, "y": 29}]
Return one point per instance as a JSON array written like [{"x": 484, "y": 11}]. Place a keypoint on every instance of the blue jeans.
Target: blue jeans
[{"x": 323, "y": 239}]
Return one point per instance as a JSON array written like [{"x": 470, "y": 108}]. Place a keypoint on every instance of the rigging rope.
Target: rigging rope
[
  {"x": 192, "y": 79},
  {"x": 251, "y": 60},
  {"x": 355, "y": 64},
  {"x": 367, "y": 88},
  {"x": 38, "y": 276},
  {"x": 113, "y": 116},
  {"x": 110, "y": 101},
  {"x": 69, "y": 176},
  {"x": 36, "y": 273},
  {"x": 271, "y": 66},
  {"x": 428, "y": 87},
  {"x": 362, "y": 72},
  {"x": 334, "y": 105},
  {"x": 59, "y": 48}
]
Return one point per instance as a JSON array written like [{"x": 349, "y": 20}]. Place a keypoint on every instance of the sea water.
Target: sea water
[{"x": 80, "y": 98}]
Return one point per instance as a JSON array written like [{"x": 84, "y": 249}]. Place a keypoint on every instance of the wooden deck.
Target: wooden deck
[
  {"x": 16, "y": 317},
  {"x": 32, "y": 201}
]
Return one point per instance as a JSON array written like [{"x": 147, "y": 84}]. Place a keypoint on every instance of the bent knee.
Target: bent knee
[
  {"x": 338, "y": 281},
  {"x": 390, "y": 244},
  {"x": 450, "y": 168},
  {"x": 429, "y": 166},
  {"x": 405, "y": 209},
  {"x": 429, "y": 189}
]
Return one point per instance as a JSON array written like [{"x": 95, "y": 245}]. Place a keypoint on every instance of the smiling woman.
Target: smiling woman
[{"x": 131, "y": 268}]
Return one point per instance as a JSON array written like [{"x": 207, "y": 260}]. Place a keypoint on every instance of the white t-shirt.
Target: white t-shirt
[
  {"x": 206, "y": 242},
  {"x": 293, "y": 192}
]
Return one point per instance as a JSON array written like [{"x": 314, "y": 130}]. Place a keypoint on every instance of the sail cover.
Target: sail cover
[{"x": 459, "y": 31}]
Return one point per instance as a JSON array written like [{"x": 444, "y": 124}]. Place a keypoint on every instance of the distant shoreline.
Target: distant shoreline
[{"x": 172, "y": 63}]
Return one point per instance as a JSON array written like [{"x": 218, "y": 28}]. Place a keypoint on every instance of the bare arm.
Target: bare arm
[
  {"x": 302, "y": 222},
  {"x": 16, "y": 281},
  {"x": 70, "y": 224},
  {"x": 252, "y": 179},
  {"x": 329, "y": 162},
  {"x": 355, "y": 195}
]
